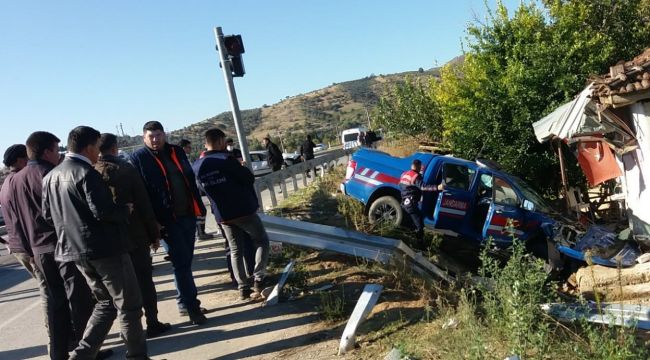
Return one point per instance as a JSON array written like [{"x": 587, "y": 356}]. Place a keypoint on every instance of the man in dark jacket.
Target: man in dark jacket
[
  {"x": 274, "y": 155},
  {"x": 411, "y": 187},
  {"x": 234, "y": 152},
  {"x": 230, "y": 189},
  {"x": 307, "y": 151},
  {"x": 176, "y": 202},
  {"x": 91, "y": 231},
  {"x": 15, "y": 158},
  {"x": 66, "y": 297},
  {"x": 127, "y": 187}
]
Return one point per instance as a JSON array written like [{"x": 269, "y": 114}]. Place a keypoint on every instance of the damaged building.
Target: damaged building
[{"x": 608, "y": 127}]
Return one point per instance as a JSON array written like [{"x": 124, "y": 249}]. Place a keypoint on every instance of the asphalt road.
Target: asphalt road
[{"x": 23, "y": 335}]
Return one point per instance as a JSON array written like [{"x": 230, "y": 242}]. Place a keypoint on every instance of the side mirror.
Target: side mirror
[{"x": 528, "y": 205}]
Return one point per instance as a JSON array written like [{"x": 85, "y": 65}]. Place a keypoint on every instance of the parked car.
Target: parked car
[
  {"x": 320, "y": 147},
  {"x": 477, "y": 202},
  {"x": 291, "y": 158},
  {"x": 259, "y": 163}
]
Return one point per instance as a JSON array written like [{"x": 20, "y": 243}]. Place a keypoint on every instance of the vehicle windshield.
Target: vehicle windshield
[
  {"x": 532, "y": 196},
  {"x": 350, "y": 137}
]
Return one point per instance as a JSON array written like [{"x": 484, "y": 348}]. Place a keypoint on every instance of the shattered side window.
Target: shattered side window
[
  {"x": 504, "y": 193},
  {"x": 457, "y": 176}
]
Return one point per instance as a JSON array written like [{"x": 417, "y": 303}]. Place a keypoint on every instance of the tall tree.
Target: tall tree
[
  {"x": 518, "y": 68},
  {"x": 410, "y": 109}
]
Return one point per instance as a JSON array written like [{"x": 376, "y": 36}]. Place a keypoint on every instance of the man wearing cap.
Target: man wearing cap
[{"x": 15, "y": 158}]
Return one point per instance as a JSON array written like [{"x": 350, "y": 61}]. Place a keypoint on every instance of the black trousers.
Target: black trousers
[
  {"x": 418, "y": 221},
  {"x": 67, "y": 301},
  {"x": 113, "y": 282},
  {"x": 141, "y": 261}
]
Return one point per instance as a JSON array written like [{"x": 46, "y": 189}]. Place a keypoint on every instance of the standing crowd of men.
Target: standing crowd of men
[{"x": 84, "y": 224}]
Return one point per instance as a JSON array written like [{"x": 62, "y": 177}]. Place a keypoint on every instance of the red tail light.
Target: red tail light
[{"x": 352, "y": 165}]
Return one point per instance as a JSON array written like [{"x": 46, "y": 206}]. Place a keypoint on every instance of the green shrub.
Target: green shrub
[
  {"x": 512, "y": 301},
  {"x": 332, "y": 305}
]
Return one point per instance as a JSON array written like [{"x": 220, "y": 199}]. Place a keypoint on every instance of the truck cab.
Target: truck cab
[{"x": 478, "y": 201}]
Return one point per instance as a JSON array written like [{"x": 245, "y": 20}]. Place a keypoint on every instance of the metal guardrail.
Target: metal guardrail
[
  {"x": 375, "y": 248},
  {"x": 320, "y": 164}
]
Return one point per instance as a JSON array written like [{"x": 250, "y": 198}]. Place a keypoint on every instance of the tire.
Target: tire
[{"x": 386, "y": 209}]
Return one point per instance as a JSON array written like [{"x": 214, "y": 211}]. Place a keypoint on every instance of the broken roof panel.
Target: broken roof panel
[{"x": 566, "y": 120}]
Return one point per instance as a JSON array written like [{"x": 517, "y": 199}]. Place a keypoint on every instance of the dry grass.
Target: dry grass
[{"x": 400, "y": 147}]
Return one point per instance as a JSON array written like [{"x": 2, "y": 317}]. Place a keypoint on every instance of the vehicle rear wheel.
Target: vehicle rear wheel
[{"x": 386, "y": 209}]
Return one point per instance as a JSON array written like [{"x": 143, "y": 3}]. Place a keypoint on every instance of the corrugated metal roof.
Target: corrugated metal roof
[{"x": 564, "y": 121}]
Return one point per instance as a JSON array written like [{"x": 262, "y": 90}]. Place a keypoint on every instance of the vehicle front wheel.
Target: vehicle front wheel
[{"x": 386, "y": 209}]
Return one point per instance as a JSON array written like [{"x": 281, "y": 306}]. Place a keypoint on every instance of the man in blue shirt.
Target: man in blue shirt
[{"x": 229, "y": 185}]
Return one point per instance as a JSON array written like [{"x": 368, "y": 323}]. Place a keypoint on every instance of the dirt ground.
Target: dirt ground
[{"x": 292, "y": 329}]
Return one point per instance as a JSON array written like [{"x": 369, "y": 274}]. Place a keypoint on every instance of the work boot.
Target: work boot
[
  {"x": 258, "y": 286},
  {"x": 157, "y": 328},
  {"x": 197, "y": 317},
  {"x": 244, "y": 294},
  {"x": 184, "y": 312}
]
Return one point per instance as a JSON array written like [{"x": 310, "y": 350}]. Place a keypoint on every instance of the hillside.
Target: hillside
[{"x": 322, "y": 113}]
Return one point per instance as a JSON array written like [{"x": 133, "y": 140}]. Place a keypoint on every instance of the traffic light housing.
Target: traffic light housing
[
  {"x": 237, "y": 66},
  {"x": 234, "y": 45}
]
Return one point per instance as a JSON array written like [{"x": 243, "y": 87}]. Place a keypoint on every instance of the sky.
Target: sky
[{"x": 105, "y": 63}]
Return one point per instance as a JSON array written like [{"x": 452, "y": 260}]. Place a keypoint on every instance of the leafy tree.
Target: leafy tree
[
  {"x": 410, "y": 109},
  {"x": 518, "y": 68}
]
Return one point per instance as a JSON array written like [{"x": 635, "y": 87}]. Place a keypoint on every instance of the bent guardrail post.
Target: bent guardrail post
[
  {"x": 274, "y": 297},
  {"x": 374, "y": 248},
  {"x": 366, "y": 302}
]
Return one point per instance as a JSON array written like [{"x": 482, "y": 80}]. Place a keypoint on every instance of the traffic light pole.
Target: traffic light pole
[{"x": 234, "y": 104}]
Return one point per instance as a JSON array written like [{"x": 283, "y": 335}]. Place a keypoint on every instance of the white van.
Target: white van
[{"x": 350, "y": 137}]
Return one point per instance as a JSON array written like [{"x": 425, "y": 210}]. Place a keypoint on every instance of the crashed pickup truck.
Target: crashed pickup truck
[
  {"x": 476, "y": 203},
  {"x": 479, "y": 202}
]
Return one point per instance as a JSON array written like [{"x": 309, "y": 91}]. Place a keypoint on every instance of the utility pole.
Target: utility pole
[
  {"x": 230, "y": 87},
  {"x": 368, "y": 116}
]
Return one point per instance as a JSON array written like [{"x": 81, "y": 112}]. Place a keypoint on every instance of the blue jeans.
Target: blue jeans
[{"x": 180, "y": 240}]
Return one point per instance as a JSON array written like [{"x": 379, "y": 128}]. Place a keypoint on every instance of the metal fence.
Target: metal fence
[{"x": 319, "y": 165}]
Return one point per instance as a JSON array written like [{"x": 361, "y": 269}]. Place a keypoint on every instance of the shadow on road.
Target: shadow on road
[{"x": 24, "y": 353}]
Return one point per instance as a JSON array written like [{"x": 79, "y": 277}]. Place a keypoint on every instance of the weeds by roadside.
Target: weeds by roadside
[
  {"x": 499, "y": 317},
  {"x": 332, "y": 305}
]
